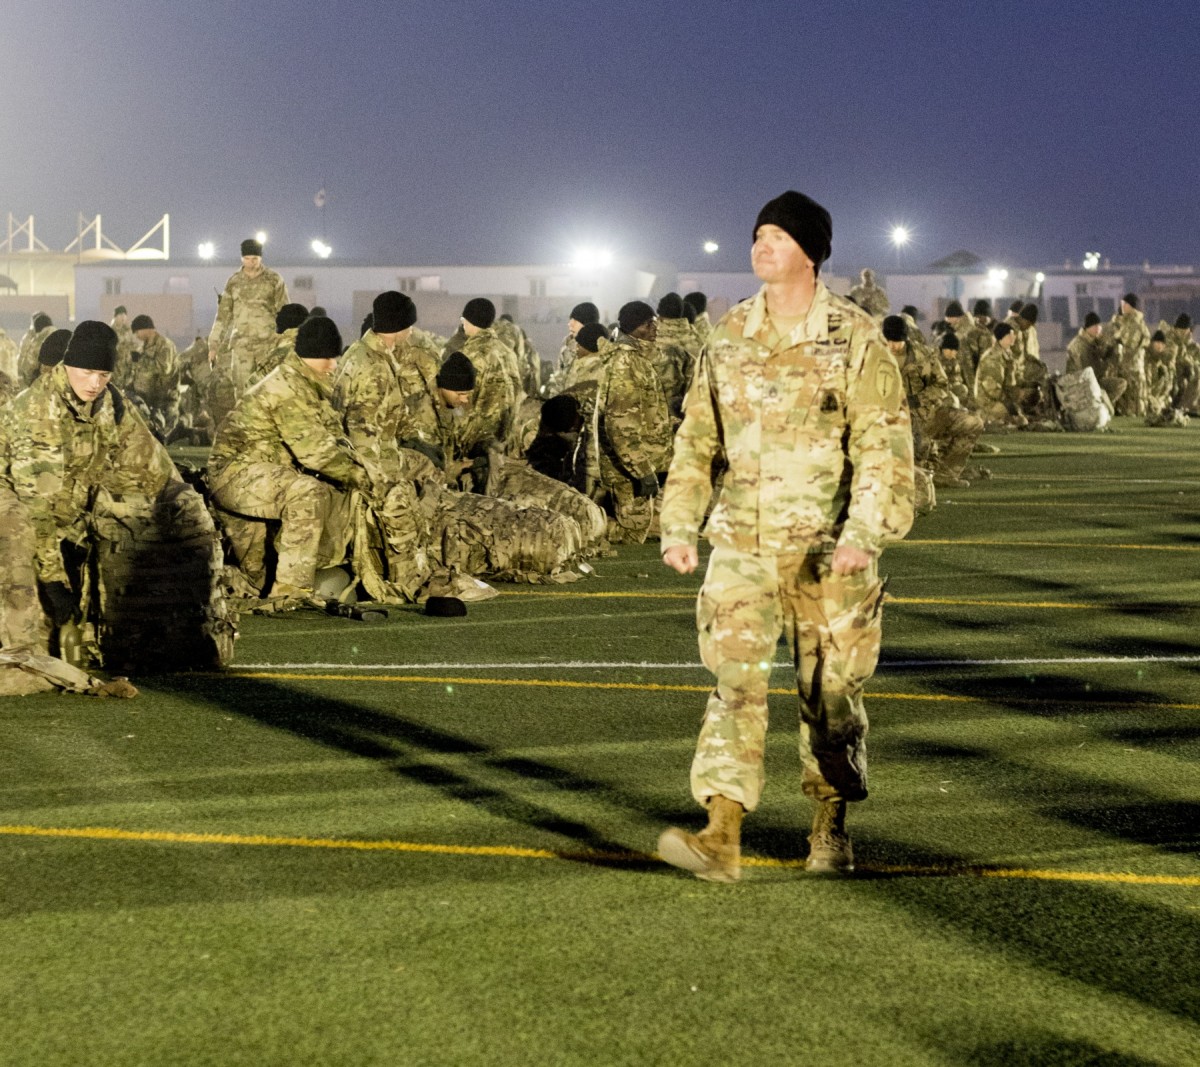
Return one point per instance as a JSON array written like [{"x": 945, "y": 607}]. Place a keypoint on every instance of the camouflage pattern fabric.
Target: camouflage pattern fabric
[
  {"x": 518, "y": 483},
  {"x": 417, "y": 364},
  {"x": 971, "y": 346},
  {"x": 633, "y": 433},
  {"x": 8, "y": 388},
  {"x": 1127, "y": 335},
  {"x": 994, "y": 385},
  {"x": 243, "y": 332},
  {"x": 155, "y": 379},
  {"x": 1086, "y": 351},
  {"x": 158, "y": 563},
  {"x": 703, "y": 327},
  {"x": 10, "y": 354},
  {"x": 583, "y": 383},
  {"x": 778, "y": 410},
  {"x": 27, "y": 359},
  {"x": 833, "y": 625},
  {"x": 562, "y": 369},
  {"x": 872, "y": 298},
  {"x": 285, "y": 342},
  {"x": 529, "y": 363},
  {"x": 948, "y": 431},
  {"x": 59, "y": 451},
  {"x": 675, "y": 365},
  {"x": 22, "y": 622},
  {"x": 497, "y": 378},
  {"x": 126, "y": 343}
]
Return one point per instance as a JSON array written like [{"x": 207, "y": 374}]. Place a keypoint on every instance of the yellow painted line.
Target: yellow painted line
[
  {"x": 656, "y": 687},
  {"x": 179, "y": 837},
  {"x": 1053, "y": 544}
]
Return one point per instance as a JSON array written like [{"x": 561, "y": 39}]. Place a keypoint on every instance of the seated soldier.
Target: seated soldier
[
  {"x": 281, "y": 455},
  {"x": 85, "y": 468}
]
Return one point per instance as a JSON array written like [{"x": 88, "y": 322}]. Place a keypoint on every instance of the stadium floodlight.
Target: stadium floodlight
[
  {"x": 997, "y": 274},
  {"x": 1039, "y": 277},
  {"x": 261, "y": 237},
  {"x": 592, "y": 258},
  {"x": 1091, "y": 261},
  {"x": 206, "y": 250},
  {"x": 321, "y": 248},
  {"x": 900, "y": 236},
  {"x": 711, "y": 247}
]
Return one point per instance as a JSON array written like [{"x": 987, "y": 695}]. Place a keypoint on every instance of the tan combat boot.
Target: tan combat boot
[
  {"x": 713, "y": 854},
  {"x": 829, "y": 844}
]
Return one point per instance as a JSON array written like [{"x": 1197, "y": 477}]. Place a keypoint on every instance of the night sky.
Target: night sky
[{"x": 463, "y": 131}]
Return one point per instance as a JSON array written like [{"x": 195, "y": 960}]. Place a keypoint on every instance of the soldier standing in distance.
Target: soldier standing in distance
[
  {"x": 799, "y": 393},
  {"x": 243, "y": 333}
]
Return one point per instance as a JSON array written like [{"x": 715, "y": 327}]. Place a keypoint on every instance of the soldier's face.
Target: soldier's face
[
  {"x": 775, "y": 256},
  {"x": 455, "y": 398},
  {"x": 144, "y": 335},
  {"x": 574, "y": 326},
  {"x": 251, "y": 264},
  {"x": 1093, "y": 331},
  {"x": 88, "y": 385},
  {"x": 1008, "y": 340},
  {"x": 323, "y": 367},
  {"x": 648, "y": 331}
]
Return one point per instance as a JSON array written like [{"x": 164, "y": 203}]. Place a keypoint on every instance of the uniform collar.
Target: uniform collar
[{"x": 814, "y": 324}]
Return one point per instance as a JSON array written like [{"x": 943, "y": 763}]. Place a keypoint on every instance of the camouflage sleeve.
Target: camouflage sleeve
[
  {"x": 689, "y": 482},
  {"x": 491, "y": 410},
  {"x": 280, "y": 296},
  {"x": 624, "y": 418},
  {"x": 419, "y": 420},
  {"x": 358, "y": 396},
  {"x": 140, "y": 463},
  {"x": 220, "y": 326},
  {"x": 314, "y": 447},
  {"x": 881, "y": 452}
]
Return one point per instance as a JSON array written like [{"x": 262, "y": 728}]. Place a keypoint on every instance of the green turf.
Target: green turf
[{"x": 116, "y": 951}]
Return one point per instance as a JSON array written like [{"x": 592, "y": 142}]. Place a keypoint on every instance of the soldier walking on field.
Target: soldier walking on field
[
  {"x": 243, "y": 333},
  {"x": 798, "y": 392}
]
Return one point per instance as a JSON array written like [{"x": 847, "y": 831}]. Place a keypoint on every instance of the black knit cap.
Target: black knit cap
[
  {"x": 698, "y": 300},
  {"x": 1015, "y": 307},
  {"x": 251, "y": 247},
  {"x": 670, "y": 306},
  {"x": 289, "y": 317},
  {"x": 1029, "y": 313},
  {"x": 1159, "y": 336},
  {"x": 911, "y": 311},
  {"x": 585, "y": 313},
  {"x": 40, "y": 321},
  {"x": 954, "y": 310},
  {"x": 895, "y": 328},
  {"x": 141, "y": 322},
  {"x": 802, "y": 219},
  {"x": 1132, "y": 300},
  {"x": 1001, "y": 331},
  {"x": 589, "y": 336},
  {"x": 949, "y": 340},
  {"x": 93, "y": 346},
  {"x": 120, "y": 309},
  {"x": 1184, "y": 322},
  {"x": 982, "y": 307},
  {"x": 392, "y": 312},
  {"x": 457, "y": 374},
  {"x": 53, "y": 348},
  {"x": 560, "y": 414},
  {"x": 318, "y": 339},
  {"x": 1091, "y": 319},
  {"x": 634, "y": 314},
  {"x": 317, "y": 310},
  {"x": 445, "y": 607},
  {"x": 480, "y": 312}
]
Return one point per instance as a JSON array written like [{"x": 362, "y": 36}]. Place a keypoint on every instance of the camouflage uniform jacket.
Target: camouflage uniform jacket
[
  {"x": 417, "y": 364},
  {"x": 56, "y": 451},
  {"x": 367, "y": 393},
  {"x": 9, "y": 355},
  {"x": 285, "y": 342},
  {"x": 814, "y": 429},
  {"x": 126, "y": 343},
  {"x": 247, "y": 308},
  {"x": 286, "y": 419},
  {"x": 494, "y": 404},
  {"x": 529, "y": 363},
  {"x": 703, "y": 328},
  {"x": 994, "y": 377},
  {"x": 971, "y": 347},
  {"x": 873, "y": 299},
  {"x": 562, "y": 371},
  {"x": 31, "y": 348},
  {"x": 1129, "y": 331},
  {"x": 631, "y": 417},
  {"x": 925, "y": 383},
  {"x": 156, "y": 373},
  {"x": 1085, "y": 351}
]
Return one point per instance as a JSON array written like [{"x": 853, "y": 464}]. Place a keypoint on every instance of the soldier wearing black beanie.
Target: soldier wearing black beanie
[
  {"x": 480, "y": 312},
  {"x": 54, "y": 347},
  {"x": 802, "y": 219}
]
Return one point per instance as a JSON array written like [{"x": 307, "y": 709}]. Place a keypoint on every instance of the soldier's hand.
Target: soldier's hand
[
  {"x": 61, "y": 604},
  {"x": 682, "y": 558},
  {"x": 849, "y": 560}
]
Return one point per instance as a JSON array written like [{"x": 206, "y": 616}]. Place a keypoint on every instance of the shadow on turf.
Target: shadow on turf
[
  {"x": 399, "y": 742},
  {"x": 1037, "y": 1048},
  {"x": 1100, "y": 938}
]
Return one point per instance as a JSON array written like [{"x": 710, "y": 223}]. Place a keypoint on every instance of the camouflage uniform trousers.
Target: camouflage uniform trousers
[
  {"x": 22, "y": 623},
  {"x": 833, "y": 624},
  {"x": 955, "y": 432},
  {"x": 632, "y": 516},
  {"x": 314, "y": 522}
]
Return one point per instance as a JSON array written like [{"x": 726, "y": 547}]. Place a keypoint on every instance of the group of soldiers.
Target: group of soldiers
[
  {"x": 975, "y": 373},
  {"x": 403, "y": 468}
]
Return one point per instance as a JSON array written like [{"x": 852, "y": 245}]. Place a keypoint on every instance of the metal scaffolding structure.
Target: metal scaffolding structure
[{"x": 21, "y": 239}]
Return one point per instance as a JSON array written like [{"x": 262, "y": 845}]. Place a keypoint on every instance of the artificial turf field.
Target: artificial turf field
[{"x": 425, "y": 841}]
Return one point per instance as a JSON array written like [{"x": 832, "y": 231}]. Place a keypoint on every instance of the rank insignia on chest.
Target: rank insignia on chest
[{"x": 829, "y": 403}]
